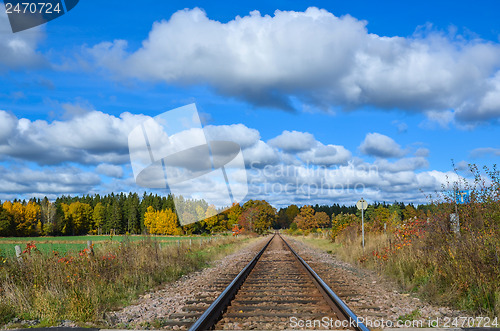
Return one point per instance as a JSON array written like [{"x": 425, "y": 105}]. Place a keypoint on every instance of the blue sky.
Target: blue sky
[{"x": 400, "y": 87}]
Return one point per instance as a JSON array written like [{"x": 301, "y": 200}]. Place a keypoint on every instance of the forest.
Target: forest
[{"x": 154, "y": 214}]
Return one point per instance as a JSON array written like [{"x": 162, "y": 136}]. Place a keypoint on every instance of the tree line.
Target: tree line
[
  {"x": 315, "y": 216},
  {"x": 90, "y": 214},
  {"x": 130, "y": 213}
]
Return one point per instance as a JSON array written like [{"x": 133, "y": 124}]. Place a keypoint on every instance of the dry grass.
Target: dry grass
[
  {"x": 347, "y": 247},
  {"x": 462, "y": 271},
  {"x": 82, "y": 286}
]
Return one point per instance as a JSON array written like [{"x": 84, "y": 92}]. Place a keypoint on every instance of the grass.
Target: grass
[
  {"x": 84, "y": 239},
  {"x": 350, "y": 250},
  {"x": 414, "y": 315},
  {"x": 77, "y": 243},
  {"x": 458, "y": 271},
  {"x": 82, "y": 287},
  {"x": 319, "y": 242}
]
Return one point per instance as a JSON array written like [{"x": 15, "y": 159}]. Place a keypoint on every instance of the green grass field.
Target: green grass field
[{"x": 70, "y": 244}]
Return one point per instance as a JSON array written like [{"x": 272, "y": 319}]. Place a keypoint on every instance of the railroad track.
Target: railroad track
[{"x": 277, "y": 289}]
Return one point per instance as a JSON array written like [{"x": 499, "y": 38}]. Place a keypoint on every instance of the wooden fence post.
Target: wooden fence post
[
  {"x": 18, "y": 253},
  {"x": 90, "y": 247}
]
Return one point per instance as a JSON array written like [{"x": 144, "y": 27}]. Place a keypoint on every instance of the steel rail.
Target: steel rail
[
  {"x": 329, "y": 295},
  {"x": 213, "y": 313},
  {"x": 208, "y": 319}
]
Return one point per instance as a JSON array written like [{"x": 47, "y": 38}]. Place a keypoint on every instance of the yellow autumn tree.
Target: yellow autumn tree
[
  {"x": 31, "y": 219},
  {"x": 16, "y": 209},
  {"x": 211, "y": 219},
  {"x": 99, "y": 217},
  {"x": 161, "y": 222},
  {"x": 305, "y": 220},
  {"x": 81, "y": 214},
  {"x": 167, "y": 222},
  {"x": 66, "y": 227},
  {"x": 77, "y": 218},
  {"x": 150, "y": 220},
  {"x": 8, "y": 206},
  {"x": 233, "y": 214},
  {"x": 25, "y": 217}
]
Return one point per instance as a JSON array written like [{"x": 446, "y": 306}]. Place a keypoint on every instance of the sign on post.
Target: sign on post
[
  {"x": 462, "y": 197},
  {"x": 362, "y": 205}
]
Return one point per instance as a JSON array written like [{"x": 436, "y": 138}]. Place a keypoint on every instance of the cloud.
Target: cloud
[
  {"x": 19, "y": 49},
  {"x": 72, "y": 110},
  {"x": 484, "y": 152},
  {"x": 379, "y": 145},
  {"x": 238, "y": 133},
  {"x": 260, "y": 154},
  {"x": 283, "y": 184},
  {"x": 8, "y": 123},
  {"x": 326, "y": 155},
  {"x": 402, "y": 165},
  {"x": 441, "y": 119},
  {"x": 53, "y": 180},
  {"x": 422, "y": 152},
  {"x": 110, "y": 170},
  {"x": 402, "y": 126},
  {"x": 293, "y": 141},
  {"x": 487, "y": 107},
  {"x": 435, "y": 180},
  {"x": 87, "y": 153},
  {"x": 462, "y": 166},
  {"x": 90, "y": 138},
  {"x": 318, "y": 59}
]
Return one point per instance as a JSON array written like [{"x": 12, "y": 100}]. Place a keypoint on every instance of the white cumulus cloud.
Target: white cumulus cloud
[
  {"x": 318, "y": 59},
  {"x": 485, "y": 151},
  {"x": 45, "y": 181},
  {"x": 88, "y": 153},
  {"x": 110, "y": 170},
  {"x": 239, "y": 133},
  {"x": 379, "y": 145},
  {"x": 293, "y": 141},
  {"x": 326, "y": 155},
  {"x": 91, "y": 138},
  {"x": 19, "y": 50},
  {"x": 8, "y": 123}
]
